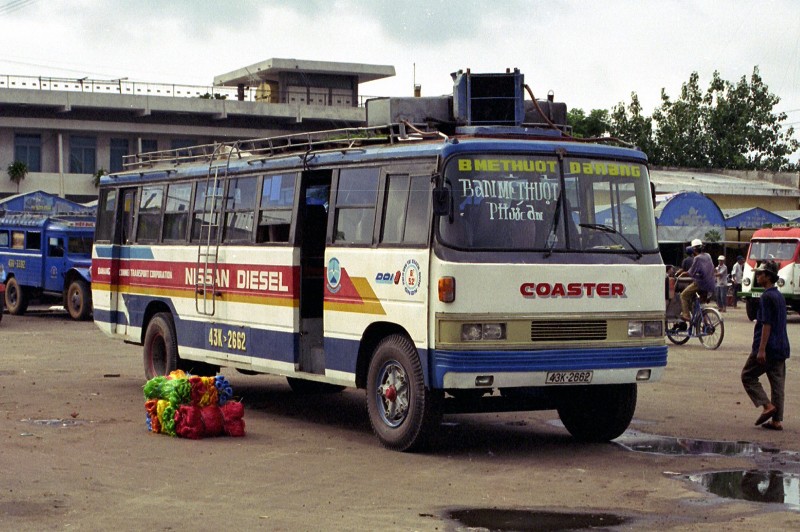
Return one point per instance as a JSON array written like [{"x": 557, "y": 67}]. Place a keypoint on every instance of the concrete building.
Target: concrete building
[{"x": 67, "y": 130}]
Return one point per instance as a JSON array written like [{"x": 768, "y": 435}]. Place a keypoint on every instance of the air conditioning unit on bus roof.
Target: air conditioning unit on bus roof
[{"x": 477, "y": 100}]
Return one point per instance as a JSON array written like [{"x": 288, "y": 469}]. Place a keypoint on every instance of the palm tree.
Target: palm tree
[{"x": 17, "y": 172}]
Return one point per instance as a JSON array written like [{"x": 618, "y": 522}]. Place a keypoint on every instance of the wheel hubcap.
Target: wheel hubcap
[{"x": 392, "y": 394}]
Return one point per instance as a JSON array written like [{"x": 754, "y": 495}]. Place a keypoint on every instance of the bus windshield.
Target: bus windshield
[
  {"x": 772, "y": 249},
  {"x": 529, "y": 203}
]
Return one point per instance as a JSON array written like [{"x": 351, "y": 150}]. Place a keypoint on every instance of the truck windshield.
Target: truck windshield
[
  {"x": 772, "y": 249},
  {"x": 505, "y": 202},
  {"x": 79, "y": 245}
]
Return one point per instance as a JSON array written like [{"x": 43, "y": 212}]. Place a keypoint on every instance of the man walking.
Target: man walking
[
  {"x": 769, "y": 351},
  {"x": 737, "y": 274},
  {"x": 721, "y": 290}
]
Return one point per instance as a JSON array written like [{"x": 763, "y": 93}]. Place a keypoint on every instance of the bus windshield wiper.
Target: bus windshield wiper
[
  {"x": 551, "y": 242},
  {"x": 608, "y": 229}
]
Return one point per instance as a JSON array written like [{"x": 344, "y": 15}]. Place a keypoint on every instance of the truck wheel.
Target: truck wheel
[
  {"x": 79, "y": 300},
  {"x": 597, "y": 413},
  {"x": 751, "y": 305},
  {"x": 160, "y": 346},
  {"x": 16, "y": 298},
  {"x": 402, "y": 412}
]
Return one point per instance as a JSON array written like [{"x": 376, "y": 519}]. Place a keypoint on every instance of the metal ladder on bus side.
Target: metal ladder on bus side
[{"x": 207, "y": 270}]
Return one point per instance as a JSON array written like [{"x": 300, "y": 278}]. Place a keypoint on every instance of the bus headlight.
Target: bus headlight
[
  {"x": 780, "y": 282},
  {"x": 647, "y": 329},
  {"x": 746, "y": 281},
  {"x": 474, "y": 332}
]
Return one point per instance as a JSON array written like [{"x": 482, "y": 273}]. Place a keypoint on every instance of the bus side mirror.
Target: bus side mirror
[{"x": 441, "y": 201}]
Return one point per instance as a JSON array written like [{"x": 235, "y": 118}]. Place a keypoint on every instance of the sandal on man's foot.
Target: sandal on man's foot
[
  {"x": 772, "y": 425},
  {"x": 766, "y": 415}
]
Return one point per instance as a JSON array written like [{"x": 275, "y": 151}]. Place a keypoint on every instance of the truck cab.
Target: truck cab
[
  {"x": 44, "y": 255},
  {"x": 779, "y": 243}
]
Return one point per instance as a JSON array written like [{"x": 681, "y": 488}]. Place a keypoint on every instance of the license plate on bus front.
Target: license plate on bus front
[{"x": 569, "y": 377}]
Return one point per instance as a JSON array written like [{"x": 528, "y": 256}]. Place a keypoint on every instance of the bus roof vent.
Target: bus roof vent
[{"x": 483, "y": 99}]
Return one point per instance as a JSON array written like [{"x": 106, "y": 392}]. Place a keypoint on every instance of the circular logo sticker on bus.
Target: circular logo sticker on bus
[
  {"x": 411, "y": 277},
  {"x": 334, "y": 275}
]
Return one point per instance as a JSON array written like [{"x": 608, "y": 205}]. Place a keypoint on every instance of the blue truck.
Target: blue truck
[{"x": 44, "y": 254}]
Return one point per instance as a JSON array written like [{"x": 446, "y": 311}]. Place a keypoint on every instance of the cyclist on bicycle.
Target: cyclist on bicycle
[{"x": 702, "y": 272}]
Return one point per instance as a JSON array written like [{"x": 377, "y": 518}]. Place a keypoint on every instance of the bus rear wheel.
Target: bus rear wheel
[
  {"x": 402, "y": 412},
  {"x": 79, "y": 299},
  {"x": 16, "y": 298},
  {"x": 160, "y": 346},
  {"x": 597, "y": 413}
]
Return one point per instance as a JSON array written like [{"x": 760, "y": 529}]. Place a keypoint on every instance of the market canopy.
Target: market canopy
[
  {"x": 754, "y": 218},
  {"x": 684, "y": 216}
]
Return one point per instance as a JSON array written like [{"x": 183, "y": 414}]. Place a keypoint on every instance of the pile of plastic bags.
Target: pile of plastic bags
[{"x": 192, "y": 407}]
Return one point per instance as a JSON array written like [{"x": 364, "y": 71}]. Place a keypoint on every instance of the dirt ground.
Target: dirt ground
[{"x": 312, "y": 463}]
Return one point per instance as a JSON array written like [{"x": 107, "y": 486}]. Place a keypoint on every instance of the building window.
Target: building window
[
  {"x": 179, "y": 144},
  {"x": 149, "y": 145},
  {"x": 82, "y": 155},
  {"x": 119, "y": 148},
  {"x": 28, "y": 150}
]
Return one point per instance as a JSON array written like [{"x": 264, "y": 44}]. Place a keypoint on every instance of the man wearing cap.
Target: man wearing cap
[
  {"x": 737, "y": 274},
  {"x": 702, "y": 273},
  {"x": 721, "y": 290},
  {"x": 769, "y": 351}
]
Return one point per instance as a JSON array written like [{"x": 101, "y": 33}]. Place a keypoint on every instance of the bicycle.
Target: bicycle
[{"x": 706, "y": 325}]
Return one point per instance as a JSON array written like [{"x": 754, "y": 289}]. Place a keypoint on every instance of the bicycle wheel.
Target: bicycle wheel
[
  {"x": 713, "y": 329},
  {"x": 677, "y": 331}
]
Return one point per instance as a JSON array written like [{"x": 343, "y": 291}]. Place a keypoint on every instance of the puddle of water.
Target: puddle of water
[
  {"x": 753, "y": 485},
  {"x": 500, "y": 520},
  {"x": 646, "y": 443},
  {"x": 56, "y": 422}
]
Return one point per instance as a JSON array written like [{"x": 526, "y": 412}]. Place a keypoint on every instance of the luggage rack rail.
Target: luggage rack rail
[{"x": 344, "y": 138}]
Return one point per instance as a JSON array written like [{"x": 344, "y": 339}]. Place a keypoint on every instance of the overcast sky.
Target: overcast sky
[{"x": 591, "y": 54}]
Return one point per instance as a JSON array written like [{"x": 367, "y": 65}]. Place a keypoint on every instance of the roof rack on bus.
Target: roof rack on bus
[{"x": 334, "y": 139}]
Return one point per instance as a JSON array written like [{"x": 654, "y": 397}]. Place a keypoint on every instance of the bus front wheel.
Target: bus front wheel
[
  {"x": 402, "y": 412},
  {"x": 597, "y": 413},
  {"x": 160, "y": 346},
  {"x": 16, "y": 298},
  {"x": 79, "y": 300}
]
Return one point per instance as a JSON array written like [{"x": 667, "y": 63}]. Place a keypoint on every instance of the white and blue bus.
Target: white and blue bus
[{"x": 441, "y": 262}]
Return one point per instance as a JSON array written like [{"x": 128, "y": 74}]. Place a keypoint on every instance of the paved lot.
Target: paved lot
[{"x": 311, "y": 463}]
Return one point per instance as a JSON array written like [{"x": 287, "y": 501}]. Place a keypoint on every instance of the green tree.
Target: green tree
[
  {"x": 681, "y": 132},
  {"x": 744, "y": 132},
  {"x": 17, "y": 172},
  {"x": 631, "y": 125},
  {"x": 592, "y": 126}
]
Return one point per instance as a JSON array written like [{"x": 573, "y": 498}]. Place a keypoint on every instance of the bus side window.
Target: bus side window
[
  {"x": 176, "y": 212},
  {"x": 356, "y": 197},
  {"x": 275, "y": 208},
  {"x": 17, "y": 240},
  {"x": 34, "y": 240},
  {"x": 407, "y": 210},
  {"x": 239, "y": 213},
  {"x": 4, "y": 239},
  {"x": 149, "y": 219},
  {"x": 106, "y": 209}
]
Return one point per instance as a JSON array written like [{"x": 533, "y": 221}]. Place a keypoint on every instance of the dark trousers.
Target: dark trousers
[{"x": 776, "y": 375}]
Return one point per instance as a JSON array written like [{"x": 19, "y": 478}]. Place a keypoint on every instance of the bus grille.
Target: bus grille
[{"x": 568, "y": 331}]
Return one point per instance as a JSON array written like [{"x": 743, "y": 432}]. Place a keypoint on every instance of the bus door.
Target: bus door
[
  {"x": 312, "y": 228},
  {"x": 123, "y": 237},
  {"x": 55, "y": 263}
]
